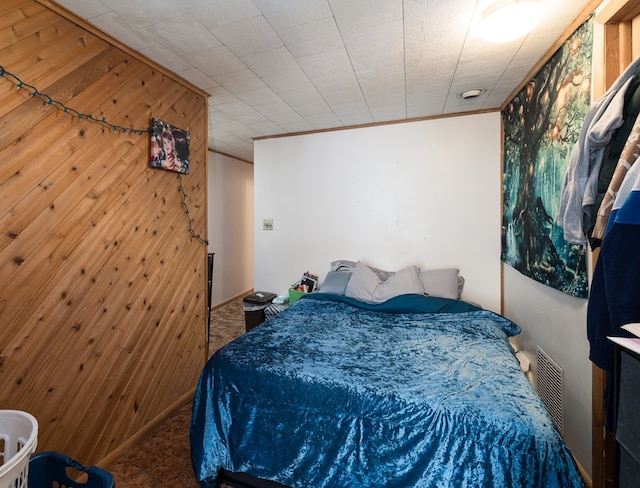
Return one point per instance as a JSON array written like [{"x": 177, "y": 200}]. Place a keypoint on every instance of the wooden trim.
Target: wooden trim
[
  {"x": 229, "y": 300},
  {"x": 585, "y": 477},
  {"x": 625, "y": 40},
  {"x": 67, "y": 14},
  {"x": 618, "y": 11},
  {"x": 134, "y": 440},
  {"x": 611, "y": 54},
  {"x": 597, "y": 426},
  {"x": 378, "y": 124},
  {"x": 608, "y": 73},
  {"x": 635, "y": 40},
  {"x": 230, "y": 156}
]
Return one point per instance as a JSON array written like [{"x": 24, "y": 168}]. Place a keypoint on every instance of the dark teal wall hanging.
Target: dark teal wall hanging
[{"x": 541, "y": 125}]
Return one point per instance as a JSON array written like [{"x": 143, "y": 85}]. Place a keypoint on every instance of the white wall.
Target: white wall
[
  {"x": 425, "y": 193},
  {"x": 230, "y": 226},
  {"x": 557, "y": 323}
]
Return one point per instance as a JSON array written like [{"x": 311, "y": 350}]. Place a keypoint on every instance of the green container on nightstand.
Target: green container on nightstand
[{"x": 295, "y": 295}]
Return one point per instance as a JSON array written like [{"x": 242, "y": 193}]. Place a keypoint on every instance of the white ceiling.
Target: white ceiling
[{"x": 285, "y": 66}]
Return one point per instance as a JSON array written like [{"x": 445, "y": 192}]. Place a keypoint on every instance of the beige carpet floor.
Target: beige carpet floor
[{"x": 163, "y": 459}]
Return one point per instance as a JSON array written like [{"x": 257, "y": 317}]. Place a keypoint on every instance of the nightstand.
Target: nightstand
[{"x": 254, "y": 306}]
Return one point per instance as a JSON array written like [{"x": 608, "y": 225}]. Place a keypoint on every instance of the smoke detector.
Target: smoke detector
[{"x": 473, "y": 93}]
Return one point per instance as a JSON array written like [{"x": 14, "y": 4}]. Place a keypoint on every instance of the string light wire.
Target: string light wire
[
  {"x": 186, "y": 211},
  {"x": 68, "y": 110}
]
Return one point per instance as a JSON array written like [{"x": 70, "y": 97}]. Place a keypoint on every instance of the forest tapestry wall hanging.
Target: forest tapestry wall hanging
[{"x": 541, "y": 126}]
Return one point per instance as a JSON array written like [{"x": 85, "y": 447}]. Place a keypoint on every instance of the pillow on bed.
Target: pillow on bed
[
  {"x": 460, "y": 285},
  {"x": 335, "y": 282},
  {"x": 349, "y": 266},
  {"x": 343, "y": 265},
  {"x": 365, "y": 284},
  {"x": 442, "y": 283}
]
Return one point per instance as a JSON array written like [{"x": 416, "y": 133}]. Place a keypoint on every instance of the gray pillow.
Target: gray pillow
[
  {"x": 442, "y": 283},
  {"x": 362, "y": 283},
  {"x": 335, "y": 282},
  {"x": 366, "y": 285},
  {"x": 460, "y": 285},
  {"x": 346, "y": 265}
]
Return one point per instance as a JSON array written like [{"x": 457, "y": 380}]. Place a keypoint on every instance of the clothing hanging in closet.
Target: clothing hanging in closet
[
  {"x": 620, "y": 156},
  {"x": 600, "y": 206},
  {"x": 615, "y": 290},
  {"x": 605, "y": 116},
  {"x": 612, "y": 222}
]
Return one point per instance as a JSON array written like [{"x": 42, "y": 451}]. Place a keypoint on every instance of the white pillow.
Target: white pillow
[{"x": 365, "y": 285}]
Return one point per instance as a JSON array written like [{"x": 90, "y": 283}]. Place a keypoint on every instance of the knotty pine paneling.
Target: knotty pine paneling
[{"x": 102, "y": 287}]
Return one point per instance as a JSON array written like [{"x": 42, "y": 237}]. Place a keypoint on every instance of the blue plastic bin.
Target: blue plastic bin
[{"x": 49, "y": 470}]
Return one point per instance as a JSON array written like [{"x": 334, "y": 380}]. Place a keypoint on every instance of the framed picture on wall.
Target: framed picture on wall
[{"x": 169, "y": 147}]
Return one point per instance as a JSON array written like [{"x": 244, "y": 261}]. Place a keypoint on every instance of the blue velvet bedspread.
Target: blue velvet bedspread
[{"x": 415, "y": 392}]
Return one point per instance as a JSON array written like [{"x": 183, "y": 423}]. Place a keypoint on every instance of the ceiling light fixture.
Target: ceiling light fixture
[{"x": 507, "y": 20}]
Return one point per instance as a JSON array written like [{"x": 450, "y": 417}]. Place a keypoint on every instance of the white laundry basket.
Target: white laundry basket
[{"x": 18, "y": 440}]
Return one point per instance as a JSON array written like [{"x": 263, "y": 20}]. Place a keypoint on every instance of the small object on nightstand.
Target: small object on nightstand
[
  {"x": 295, "y": 295},
  {"x": 281, "y": 300},
  {"x": 274, "y": 309},
  {"x": 254, "y": 306},
  {"x": 307, "y": 284}
]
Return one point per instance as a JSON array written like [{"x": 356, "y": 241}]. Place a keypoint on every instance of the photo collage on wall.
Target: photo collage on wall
[{"x": 169, "y": 147}]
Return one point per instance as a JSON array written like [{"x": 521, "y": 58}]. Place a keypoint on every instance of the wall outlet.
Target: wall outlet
[{"x": 267, "y": 224}]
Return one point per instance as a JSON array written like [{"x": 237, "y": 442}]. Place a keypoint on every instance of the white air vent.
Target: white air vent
[{"x": 550, "y": 385}]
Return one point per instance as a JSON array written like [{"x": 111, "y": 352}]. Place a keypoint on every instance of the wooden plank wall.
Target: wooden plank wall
[{"x": 102, "y": 286}]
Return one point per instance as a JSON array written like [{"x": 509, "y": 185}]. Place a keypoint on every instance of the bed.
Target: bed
[{"x": 413, "y": 391}]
